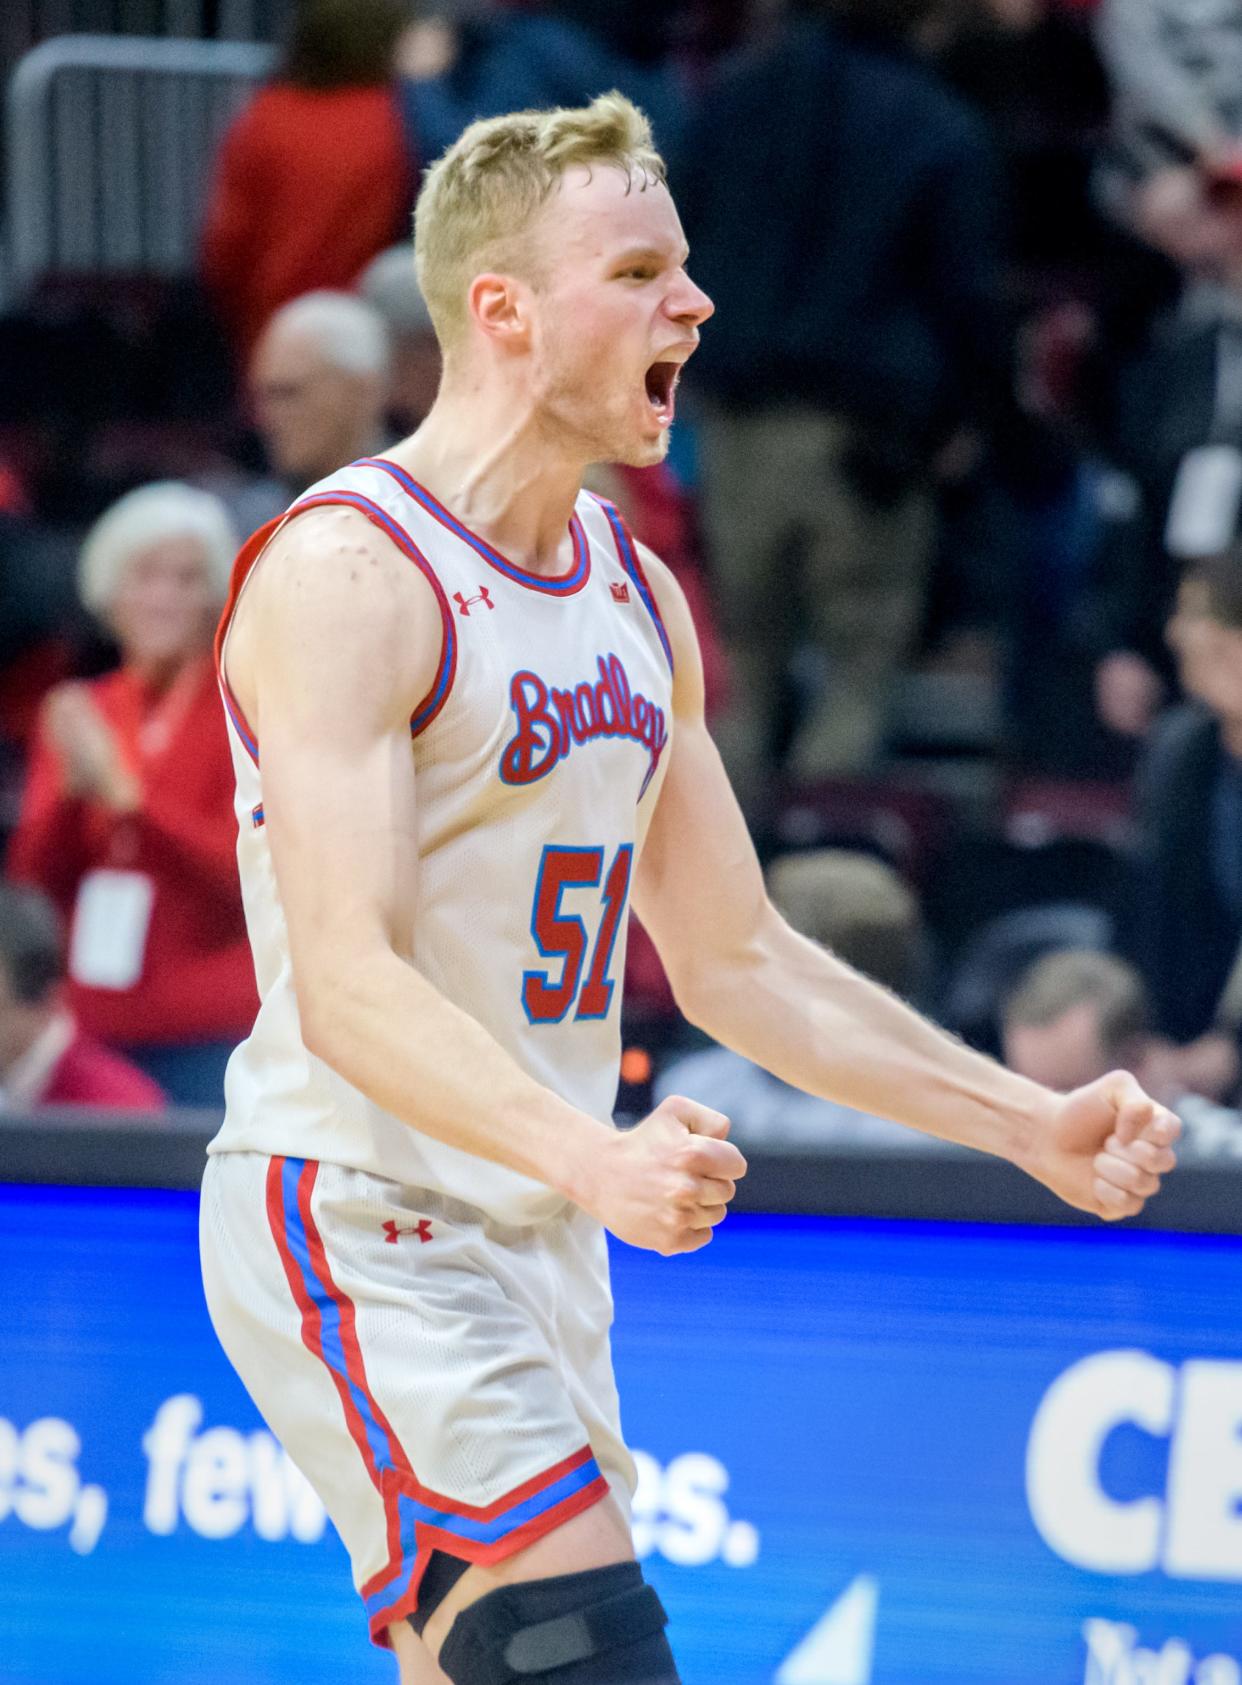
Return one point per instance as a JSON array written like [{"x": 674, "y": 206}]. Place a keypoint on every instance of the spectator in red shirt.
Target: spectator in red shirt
[
  {"x": 45, "y": 1060},
  {"x": 317, "y": 174},
  {"x": 127, "y": 817}
]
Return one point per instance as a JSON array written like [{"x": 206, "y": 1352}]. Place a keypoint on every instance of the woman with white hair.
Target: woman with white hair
[{"x": 127, "y": 819}]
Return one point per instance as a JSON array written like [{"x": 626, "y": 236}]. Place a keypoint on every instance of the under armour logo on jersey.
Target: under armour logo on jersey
[
  {"x": 465, "y": 604},
  {"x": 422, "y": 1229},
  {"x": 620, "y": 591}
]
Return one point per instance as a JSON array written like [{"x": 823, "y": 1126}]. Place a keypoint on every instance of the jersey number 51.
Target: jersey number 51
[{"x": 564, "y": 936}]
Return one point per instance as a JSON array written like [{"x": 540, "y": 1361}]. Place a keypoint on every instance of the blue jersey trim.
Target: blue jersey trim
[
  {"x": 563, "y": 586},
  {"x": 629, "y": 561}
]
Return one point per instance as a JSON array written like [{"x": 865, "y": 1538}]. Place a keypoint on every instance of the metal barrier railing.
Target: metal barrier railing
[
  {"x": 24, "y": 23},
  {"x": 109, "y": 146}
]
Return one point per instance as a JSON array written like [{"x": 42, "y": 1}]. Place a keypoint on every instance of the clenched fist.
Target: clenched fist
[
  {"x": 666, "y": 1183},
  {"x": 1106, "y": 1147}
]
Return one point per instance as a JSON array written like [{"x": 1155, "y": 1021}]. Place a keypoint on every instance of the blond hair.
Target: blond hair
[
  {"x": 479, "y": 200},
  {"x": 1070, "y": 977},
  {"x": 857, "y": 906}
]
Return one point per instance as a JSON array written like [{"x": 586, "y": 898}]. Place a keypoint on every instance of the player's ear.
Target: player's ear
[{"x": 499, "y": 305}]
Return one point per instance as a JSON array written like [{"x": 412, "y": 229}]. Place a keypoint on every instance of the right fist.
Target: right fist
[{"x": 666, "y": 1183}]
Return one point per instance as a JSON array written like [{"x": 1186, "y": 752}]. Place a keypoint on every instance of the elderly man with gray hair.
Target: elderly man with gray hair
[
  {"x": 127, "y": 817},
  {"x": 319, "y": 384}
]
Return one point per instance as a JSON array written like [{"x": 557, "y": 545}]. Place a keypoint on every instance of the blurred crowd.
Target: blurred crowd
[{"x": 956, "y": 501}]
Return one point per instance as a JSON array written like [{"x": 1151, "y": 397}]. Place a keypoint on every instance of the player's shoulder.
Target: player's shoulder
[
  {"x": 331, "y": 551},
  {"x": 660, "y": 576},
  {"x": 669, "y": 597},
  {"x": 600, "y": 512},
  {"x": 673, "y": 613},
  {"x": 334, "y": 604}
]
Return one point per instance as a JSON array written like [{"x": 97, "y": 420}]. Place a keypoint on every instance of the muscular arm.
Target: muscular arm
[
  {"x": 741, "y": 973},
  {"x": 350, "y": 636}
]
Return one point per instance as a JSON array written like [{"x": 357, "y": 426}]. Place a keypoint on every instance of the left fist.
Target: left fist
[{"x": 1106, "y": 1146}]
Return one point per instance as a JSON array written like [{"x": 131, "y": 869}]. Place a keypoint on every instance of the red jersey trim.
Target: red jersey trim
[
  {"x": 446, "y": 672},
  {"x": 247, "y": 556},
  {"x": 253, "y": 548}
]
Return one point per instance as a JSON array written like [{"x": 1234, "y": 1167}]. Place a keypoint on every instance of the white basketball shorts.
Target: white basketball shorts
[{"x": 444, "y": 1382}]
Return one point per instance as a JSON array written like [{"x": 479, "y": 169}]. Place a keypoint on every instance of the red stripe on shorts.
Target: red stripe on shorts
[
  {"x": 311, "y": 1320},
  {"x": 345, "y": 1305}
]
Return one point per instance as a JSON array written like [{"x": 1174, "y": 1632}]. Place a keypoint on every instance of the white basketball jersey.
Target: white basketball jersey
[{"x": 539, "y": 753}]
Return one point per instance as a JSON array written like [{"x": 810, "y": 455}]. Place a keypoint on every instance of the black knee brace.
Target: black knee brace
[
  {"x": 439, "y": 1577},
  {"x": 603, "y": 1627}
]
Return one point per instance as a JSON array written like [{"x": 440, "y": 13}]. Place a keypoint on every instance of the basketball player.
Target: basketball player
[{"x": 404, "y": 1213}]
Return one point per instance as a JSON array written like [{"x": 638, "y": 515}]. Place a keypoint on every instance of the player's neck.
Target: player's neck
[{"x": 496, "y": 470}]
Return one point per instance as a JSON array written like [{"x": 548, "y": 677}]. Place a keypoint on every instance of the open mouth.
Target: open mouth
[{"x": 661, "y": 382}]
